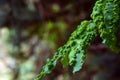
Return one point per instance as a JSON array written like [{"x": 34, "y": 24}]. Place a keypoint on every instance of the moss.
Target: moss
[{"x": 105, "y": 17}]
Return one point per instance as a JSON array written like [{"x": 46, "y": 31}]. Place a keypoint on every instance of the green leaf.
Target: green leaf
[{"x": 79, "y": 62}]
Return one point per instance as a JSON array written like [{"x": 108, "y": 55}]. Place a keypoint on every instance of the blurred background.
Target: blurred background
[{"x": 32, "y": 30}]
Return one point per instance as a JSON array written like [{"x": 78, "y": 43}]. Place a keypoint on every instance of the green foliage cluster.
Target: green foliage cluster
[
  {"x": 106, "y": 16},
  {"x": 105, "y": 22}
]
